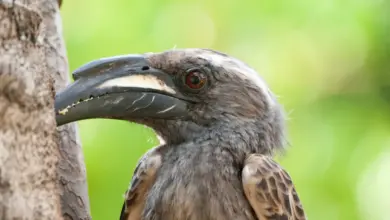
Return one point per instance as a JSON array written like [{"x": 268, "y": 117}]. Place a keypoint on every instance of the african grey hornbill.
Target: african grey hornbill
[{"x": 220, "y": 126}]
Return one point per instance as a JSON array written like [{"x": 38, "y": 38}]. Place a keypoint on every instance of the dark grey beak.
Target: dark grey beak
[{"x": 122, "y": 87}]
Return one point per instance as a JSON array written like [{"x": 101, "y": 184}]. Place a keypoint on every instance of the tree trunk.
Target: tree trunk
[{"x": 42, "y": 173}]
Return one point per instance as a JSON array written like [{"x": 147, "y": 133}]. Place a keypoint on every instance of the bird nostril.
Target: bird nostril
[{"x": 145, "y": 68}]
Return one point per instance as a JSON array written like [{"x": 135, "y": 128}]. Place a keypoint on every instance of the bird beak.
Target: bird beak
[{"x": 121, "y": 87}]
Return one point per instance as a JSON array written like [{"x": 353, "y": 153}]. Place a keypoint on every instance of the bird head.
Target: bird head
[{"x": 178, "y": 93}]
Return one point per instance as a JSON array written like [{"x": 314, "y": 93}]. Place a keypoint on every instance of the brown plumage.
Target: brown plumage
[
  {"x": 267, "y": 186},
  {"x": 220, "y": 124},
  {"x": 270, "y": 190},
  {"x": 143, "y": 179}
]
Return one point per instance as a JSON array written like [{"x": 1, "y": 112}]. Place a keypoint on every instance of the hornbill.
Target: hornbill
[{"x": 220, "y": 125}]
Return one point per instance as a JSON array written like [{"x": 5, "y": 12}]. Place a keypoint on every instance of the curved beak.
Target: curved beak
[{"x": 121, "y": 87}]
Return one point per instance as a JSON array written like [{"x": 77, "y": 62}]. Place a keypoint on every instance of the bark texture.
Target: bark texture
[{"x": 42, "y": 173}]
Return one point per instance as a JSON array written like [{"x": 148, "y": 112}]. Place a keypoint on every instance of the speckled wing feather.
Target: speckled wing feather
[
  {"x": 270, "y": 190},
  {"x": 143, "y": 178}
]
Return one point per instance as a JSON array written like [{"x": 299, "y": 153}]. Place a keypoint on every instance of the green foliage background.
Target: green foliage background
[{"x": 328, "y": 60}]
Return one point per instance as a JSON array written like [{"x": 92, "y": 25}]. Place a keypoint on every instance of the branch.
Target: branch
[
  {"x": 42, "y": 173},
  {"x": 28, "y": 150},
  {"x": 71, "y": 170}
]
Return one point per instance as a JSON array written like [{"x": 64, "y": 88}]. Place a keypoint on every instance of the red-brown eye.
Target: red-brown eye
[{"x": 195, "y": 79}]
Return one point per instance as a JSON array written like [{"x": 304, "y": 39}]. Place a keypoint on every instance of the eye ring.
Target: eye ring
[{"x": 194, "y": 79}]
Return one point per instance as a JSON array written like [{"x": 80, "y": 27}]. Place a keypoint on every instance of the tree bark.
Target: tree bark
[{"x": 42, "y": 173}]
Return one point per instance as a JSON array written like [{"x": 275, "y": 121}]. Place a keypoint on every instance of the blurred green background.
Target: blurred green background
[{"x": 327, "y": 60}]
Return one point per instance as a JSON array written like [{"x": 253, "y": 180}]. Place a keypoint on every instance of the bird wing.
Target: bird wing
[
  {"x": 270, "y": 191},
  {"x": 143, "y": 178}
]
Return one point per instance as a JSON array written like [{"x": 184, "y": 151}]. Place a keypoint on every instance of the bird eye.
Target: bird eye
[{"x": 195, "y": 79}]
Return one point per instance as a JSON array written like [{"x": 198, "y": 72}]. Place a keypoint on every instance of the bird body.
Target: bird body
[
  {"x": 220, "y": 125},
  {"x": 189, "y": 189},
  {"x": 206, "y": 179},
  {"x": 212, "y": 177}
]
